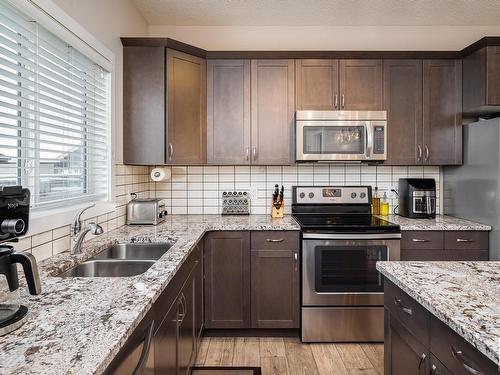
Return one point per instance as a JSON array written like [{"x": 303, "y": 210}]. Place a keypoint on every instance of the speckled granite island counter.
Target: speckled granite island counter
[
  {"x": 465, "y": 296},
  {"x": 77, "y": 325},
  {"x": 440, "y": 223}
]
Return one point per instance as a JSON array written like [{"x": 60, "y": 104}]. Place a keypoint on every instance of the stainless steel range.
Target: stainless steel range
[{"x": 342, "y": 292}]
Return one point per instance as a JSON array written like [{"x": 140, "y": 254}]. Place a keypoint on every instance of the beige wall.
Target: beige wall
[
  {"x": 326, "y": 38},
  {"x": 107, "y": 21}
]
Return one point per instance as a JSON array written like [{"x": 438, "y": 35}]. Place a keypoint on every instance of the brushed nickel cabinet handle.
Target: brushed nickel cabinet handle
[
  {"x": 254, "y": 153},
  {"x": 464, "y": 240},
  {"x": 145, "y": 350},
  {"x": 275, "y": 240},
  {"x": 170, "y": 151},
  {"x": 459, "y": 356},
  {"x": 296, "y": 261},
  {"x": 419, "y": 157},
  {"x": 247, "y": 153},
  {"x": 336, "y": 101},
  {"x": 342, "y": 101},
  {"x": 422, "y": 360},
  {"x": 426, "y": 153},
  {"x": 419, "y": 240},
  {"x": 398, "y": 303},
  {"x": 433, "y": 370}
]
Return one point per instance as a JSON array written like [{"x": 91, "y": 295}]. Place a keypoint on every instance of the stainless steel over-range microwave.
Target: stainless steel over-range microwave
[{"x": 349, "y": 136}]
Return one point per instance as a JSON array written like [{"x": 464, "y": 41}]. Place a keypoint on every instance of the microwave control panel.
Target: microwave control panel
[{"x": 379, "y": 140}]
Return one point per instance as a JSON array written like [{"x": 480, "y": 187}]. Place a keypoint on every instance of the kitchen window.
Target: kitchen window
[{"x": 54, "y": 115}]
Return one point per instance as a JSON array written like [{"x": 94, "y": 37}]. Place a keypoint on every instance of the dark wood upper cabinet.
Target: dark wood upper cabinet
[
  {"x": 481, "y": 75},
  {"x": 275, "y": 280},
  {"x": 361, "y": 85},
  {"x": 186, "y": 103},
  {"x": 144, "y": 105},
  {"x": 272, "y": 111},
  {"x": 164, "y": 101},
  {"x": 317, "y": 84},
  {"x": 403, "y": 103},
  {"x": 227, "y": 280},
  {"x": 339, "y": 84},
  {"x": 442, "y": 112},
  {"x": 228, "y": 112}
]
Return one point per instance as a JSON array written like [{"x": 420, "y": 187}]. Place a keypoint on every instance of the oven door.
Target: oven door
[{"x": 339, "y": 271}]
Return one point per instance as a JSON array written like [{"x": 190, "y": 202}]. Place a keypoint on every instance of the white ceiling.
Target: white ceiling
[{"x": 320, "y": 12}]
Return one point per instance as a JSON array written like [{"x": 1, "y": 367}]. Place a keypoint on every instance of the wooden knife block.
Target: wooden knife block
[{"x": 277, "y": 213}]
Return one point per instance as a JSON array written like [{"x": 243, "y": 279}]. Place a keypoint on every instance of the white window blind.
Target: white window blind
[{"x": 54, "y": 115}]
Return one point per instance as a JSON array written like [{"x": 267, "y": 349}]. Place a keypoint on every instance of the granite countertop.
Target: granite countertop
[
  {"x": 441, "y": 222},
  {"x": 78, "y": 325},
  {"x": 464, "y": 295}
]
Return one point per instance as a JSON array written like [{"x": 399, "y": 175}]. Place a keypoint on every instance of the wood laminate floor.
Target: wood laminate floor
[{"x": 288, "y": 356}]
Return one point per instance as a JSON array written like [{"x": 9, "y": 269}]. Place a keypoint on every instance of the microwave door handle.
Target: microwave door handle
[{"x": 369, "y": 139}]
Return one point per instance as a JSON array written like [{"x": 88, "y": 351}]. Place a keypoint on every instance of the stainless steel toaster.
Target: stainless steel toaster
[{"x": 145, "y": 211}]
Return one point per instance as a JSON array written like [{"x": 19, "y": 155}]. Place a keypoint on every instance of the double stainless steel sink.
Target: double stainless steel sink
[{"x": 120, "y": 260}]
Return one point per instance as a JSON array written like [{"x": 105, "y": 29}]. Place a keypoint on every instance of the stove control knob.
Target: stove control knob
[
  {"x": 311, "y": 195},
  {"x": 302, "y": 195},
  {"x": 362, "y": 195},
  {"x": 353, "y": 195}
]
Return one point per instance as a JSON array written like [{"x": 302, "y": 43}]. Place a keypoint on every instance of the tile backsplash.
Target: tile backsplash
[{"x": 197, "y": 190}]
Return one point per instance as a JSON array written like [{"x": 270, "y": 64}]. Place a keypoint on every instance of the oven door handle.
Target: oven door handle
[{"x": 353, "y": 236}]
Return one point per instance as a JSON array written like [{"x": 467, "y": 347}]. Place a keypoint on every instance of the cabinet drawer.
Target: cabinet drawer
[
  {"x": 274, "y": 240},
  {"x": 465, "y": 240},
  {"x": 460, "y": 357},
  {"x": 440, "y": 255},
  {"x": 410, "y": 313},
  {"x": 414, "y": 240}
]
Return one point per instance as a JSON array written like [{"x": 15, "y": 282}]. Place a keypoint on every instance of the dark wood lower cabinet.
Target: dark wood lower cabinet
[
  {"x": 440, "y": 351},
  {"x": 227, "y": 279},
  {"x": 275, "y": 289},
  {"x": 444, "y": 245}
]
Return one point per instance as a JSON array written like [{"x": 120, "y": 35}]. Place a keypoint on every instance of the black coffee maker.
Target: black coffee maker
[
  {"x": 417, "y": 198},
  {"x": 14, "y": 219}
]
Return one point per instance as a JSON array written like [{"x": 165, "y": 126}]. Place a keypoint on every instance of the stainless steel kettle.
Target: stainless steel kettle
[{"x": 12, "y": 312}]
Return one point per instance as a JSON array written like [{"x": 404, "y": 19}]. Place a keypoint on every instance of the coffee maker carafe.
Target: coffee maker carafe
[{"x": 14, "y": 218}]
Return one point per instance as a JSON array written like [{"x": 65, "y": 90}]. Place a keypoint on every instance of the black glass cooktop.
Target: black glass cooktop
[{"x": 345, "y": 223}]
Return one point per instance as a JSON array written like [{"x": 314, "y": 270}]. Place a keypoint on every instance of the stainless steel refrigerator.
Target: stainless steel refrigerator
[{"x": 472, "y": 191}]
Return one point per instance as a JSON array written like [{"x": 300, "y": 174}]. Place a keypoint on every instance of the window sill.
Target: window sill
[{"x": 42, "y": 221}]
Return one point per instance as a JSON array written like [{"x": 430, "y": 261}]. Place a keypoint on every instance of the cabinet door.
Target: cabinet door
[
  {"x": 137, "y": 355},
  {"x": 403, "y": 103},
  {"x": 275, "y": 289},
  {"x": 407, "y": 355},
  {"x": 316, "y": 83},
  {"x": 228, "y": 112},
  {"x": 442, "y": 88},
  {"x": 227, "y": 280},
  {"x": 186, "y": 103},
  {"x": 361, "y": 85},
  {"x": 165, "y": 340},
  {"x": 273, "y": 108},
  {"x": 143, "y": 105},
  {"x": 198, "y": 297},
  {"x": 186, "y": 344}
]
